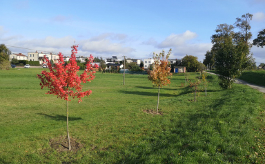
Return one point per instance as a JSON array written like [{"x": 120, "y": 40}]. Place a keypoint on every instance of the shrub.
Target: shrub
[
  {"x": 34, "y": 63},
  {"x": 5, "y": 65}
]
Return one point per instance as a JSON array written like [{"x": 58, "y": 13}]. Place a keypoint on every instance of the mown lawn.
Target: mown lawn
[
  {"x": 254, "y": 77},
  {"x": 226, "y": 126}
]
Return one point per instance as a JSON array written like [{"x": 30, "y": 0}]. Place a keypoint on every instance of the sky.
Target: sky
[{"x": 131, "y": 28}]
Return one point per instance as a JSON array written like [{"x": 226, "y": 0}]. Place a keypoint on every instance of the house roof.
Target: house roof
[
  {"x": 112, "y": 64},
  {"x": 20, "y": 54}
]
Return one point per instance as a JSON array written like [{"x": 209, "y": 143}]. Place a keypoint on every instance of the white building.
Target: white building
[
  {"x": 18, "y": 56},
  {"x": 137, "y": 61},
  {"x": 81, "y": 59},
  {"x": 148, "y": 62},
  {"x": 113, "y": 60},
  {"x": 36, "y": 56}
]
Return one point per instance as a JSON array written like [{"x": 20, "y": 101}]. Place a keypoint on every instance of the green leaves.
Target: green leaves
[{"x": 260, "y": 40}]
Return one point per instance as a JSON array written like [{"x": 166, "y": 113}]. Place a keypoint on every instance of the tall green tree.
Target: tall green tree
[
  {"x": 97, "y": 59},
  {"x": 4, "y": 57},
  {"x": 4, "y": 52},
  {"x": 243, "y": 24},
  {"x": 103, "y": 66},
  {"x": 260, "y": 40},
  {"x": 209, "y": 59},
  {"x": 191, "y": 63},
  {"x": 261, "y": 65},
  {"x": 229, "y": 58}
]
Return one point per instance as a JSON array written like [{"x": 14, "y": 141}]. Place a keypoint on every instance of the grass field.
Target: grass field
[
  {"x": 226, "y": 126},
  {"x": 254, "y": 77}
]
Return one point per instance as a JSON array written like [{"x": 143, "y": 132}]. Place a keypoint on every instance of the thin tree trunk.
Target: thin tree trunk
[
  {"x": 157, "y": 100},
  {"x": 69, "y": 144},
  {"x": 195, "y": 94}
]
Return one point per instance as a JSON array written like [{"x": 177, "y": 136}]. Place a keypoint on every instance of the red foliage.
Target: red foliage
[{"x": 63, "y": 81}]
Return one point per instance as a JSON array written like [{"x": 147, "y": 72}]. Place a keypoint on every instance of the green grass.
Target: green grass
[
  {"x": 223, "y": 127},
  {"x": 254, "y": 77}
]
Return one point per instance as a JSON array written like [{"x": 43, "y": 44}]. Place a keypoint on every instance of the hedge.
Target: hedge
[{"x": 34, "y": 63}]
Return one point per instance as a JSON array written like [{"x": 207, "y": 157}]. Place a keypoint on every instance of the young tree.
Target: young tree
[
  {"x": 160, "y": 72},
  {"x": 260, "y": 40},
  {"x": 200, "y": 67},
  {"x": 63, "y": 81},
  {"x": 142, "y": 65}
]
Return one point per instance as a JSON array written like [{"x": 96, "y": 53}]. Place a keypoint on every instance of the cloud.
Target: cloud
[
  {"x": 2, "y": 31},
  {"x": 183, "y": 44},
  {"x": 150, "y": 41},
  {"x": 259, "y": 16},
  {"x": 258, "y": 54},
  {"x": 105, "y": 46},
  {"x": 111, "y": 36},
  {"x": 174, "y": 40}
]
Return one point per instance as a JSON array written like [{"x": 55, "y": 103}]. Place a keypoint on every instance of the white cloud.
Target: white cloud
[
  {"x": 196, "y": 49},
  {"x": 150, "y": 41},
  {"x": 105, "y": 46},
  {"x": 111, "y": 36},
  {"x": 174, "y": 40},
  {"x": 258, "y": 54},
  {"x": 259, "y": 16},
  {"x": 181, "y": 45},
  {"x": 2, "y": 30}
]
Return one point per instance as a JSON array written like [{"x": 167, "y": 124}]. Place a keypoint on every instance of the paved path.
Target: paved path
[{"x": 238, "y": 81}]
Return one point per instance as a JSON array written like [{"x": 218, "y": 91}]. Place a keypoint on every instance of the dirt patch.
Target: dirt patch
[
  {"x": 60, "y": 144},
  {"x": 151, "y": 111}
]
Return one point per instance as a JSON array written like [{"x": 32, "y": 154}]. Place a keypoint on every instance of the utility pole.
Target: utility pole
[{"x": 124, "y": 70}]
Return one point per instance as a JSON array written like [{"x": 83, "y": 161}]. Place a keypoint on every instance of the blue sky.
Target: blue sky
[{"x": 134, "y": 28}]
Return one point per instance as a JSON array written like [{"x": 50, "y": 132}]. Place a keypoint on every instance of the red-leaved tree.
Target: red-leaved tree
[
  {"x": 161, "y": 71},
  {"x": 63, "y": 81}
]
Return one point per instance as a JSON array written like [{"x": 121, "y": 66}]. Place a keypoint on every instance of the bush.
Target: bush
[
  {"x": 22, "y": 62},
  {"x": 81, "y": 65},
  {"x": 5, "y": 65},
  {"x": 14, "y": 61},
  {"x": 34, "y": 63}
]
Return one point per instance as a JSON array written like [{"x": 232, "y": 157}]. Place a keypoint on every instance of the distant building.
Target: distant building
[
  {"x": 137, "y": 61},
  {"x": 66, "y": 58},
  {"x": 148, "y": 62},
  {"x": 18, "y": 56},
  {"x": 36, "y": 56},
  {"x": 113, "y": 60},
  {"x": 33, "y": 56},
  {"x": 179, "y": 69}
]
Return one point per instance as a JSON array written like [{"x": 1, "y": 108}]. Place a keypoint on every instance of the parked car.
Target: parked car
[
  {"x": 13, "y": 65},
  {"x": 44, "y": 66},
  {"x": 27, "y": 66}
]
